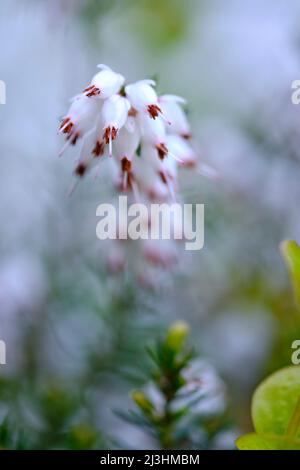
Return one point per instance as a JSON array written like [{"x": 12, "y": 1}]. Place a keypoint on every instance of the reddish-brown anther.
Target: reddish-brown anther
[
  {"x": 80, "y": 169},
  {"x": 99, "y": 148},
  {"x": 110, "y": 133},
  {"x": 189, "y": 164},
  {"x": 163, "y": 177},
  {"x": 126, "y": 164},
  {"x": 92, "y": 91},
  {"x": 186, "y": 136},
  {"x": 154, "y": 110},
  {"x": 162, "y": 150},
  {"x": 66, "y": 126},
  {"x": 74, "y": 138}
]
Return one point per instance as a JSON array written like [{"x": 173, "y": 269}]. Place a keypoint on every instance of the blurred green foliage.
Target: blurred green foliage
[
  {"x": 48, "y": 411},
  {"x": 173, "y": 425},
  {"x": 159, "y": 24}
]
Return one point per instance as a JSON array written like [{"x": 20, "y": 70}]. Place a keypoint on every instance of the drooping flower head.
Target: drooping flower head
[{"x": 148, "y": 137}]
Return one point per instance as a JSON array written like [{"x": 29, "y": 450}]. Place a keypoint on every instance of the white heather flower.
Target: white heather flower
[
  {"x": 149, "y": 156},
  {"x": 126, "y": 145},
  {"x": 142, "y": 97},
  {"x": 93, "y": 146},
  {"x": 114, "y": 115},
  {"x": 81, "y": 118},
  {"x": 166, "y": 169},
  {"x": 149, "y": 182},
  {"x": 131, "y": 123},
  {"x": 105, "y": 83},
  {"x": 181, "y": 150},
  {"x": 154, "y": 133},
  {"x": 169, "y": 168},
  {"x": 173, "y": 112}
]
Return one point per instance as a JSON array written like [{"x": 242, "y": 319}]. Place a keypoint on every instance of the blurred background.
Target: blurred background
[{"x": 75, "y": 335}]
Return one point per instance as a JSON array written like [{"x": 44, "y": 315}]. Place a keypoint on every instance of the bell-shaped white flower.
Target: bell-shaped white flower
[
  {"x": 81, "y": 117},
  {"x": 114, "y": 115},
  {"x": 126, "y": 145},
  {"x": 173, "y": 112},
  {"x": 169, "y": 168},
  {"x": 181, "y": 150},
  {"x": 105, "y": 83},
  {"x": 154, "y": 132},
  {"x": 92, "y": 147},
  {"x": 148, "y": 181},
  {"x": 149, "y": 156},
  {"x": 142, "y": 97},
  {"x": 166, "y": 169}
]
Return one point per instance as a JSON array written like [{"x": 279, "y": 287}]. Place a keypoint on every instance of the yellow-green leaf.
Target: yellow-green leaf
[
  {"x": 260, "y": 442},
  {"x": 275, "y": 401},
  {"x": 275, "y": 413}
]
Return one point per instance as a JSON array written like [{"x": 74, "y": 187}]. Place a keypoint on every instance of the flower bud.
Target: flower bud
[{"x": 177, "y": 335}]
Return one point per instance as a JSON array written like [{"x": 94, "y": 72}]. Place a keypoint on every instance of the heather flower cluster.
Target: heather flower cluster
[
  {"x": 146, "y": 138},
  {"x": 147, "y": 135}
]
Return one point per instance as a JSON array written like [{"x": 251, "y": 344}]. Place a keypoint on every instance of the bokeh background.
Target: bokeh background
[{"x": 76, "y": 336}]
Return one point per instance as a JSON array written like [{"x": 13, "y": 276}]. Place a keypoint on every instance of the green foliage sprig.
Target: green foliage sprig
[{"x": 167, "y": 407}]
